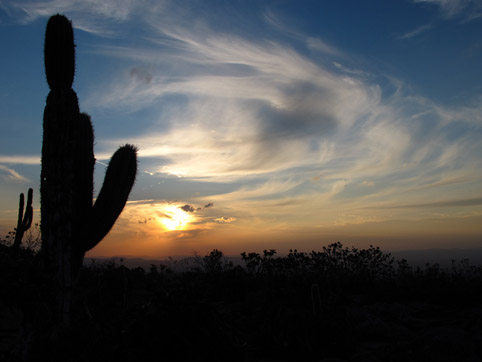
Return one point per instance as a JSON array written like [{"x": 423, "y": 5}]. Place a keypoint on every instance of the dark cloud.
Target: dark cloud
[
  {"x": 308, "y": 110},
  {"x": 141, "y": 74},
  {"x": 208, "y": 205},
  {"x": 308, "y": 113},
  {"x": 162, "y": 215},
  {"x": 145, "y": 220},
  {"x": 187, "y": 208}
]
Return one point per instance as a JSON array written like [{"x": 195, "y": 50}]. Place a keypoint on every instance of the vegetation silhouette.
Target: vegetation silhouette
[
  {"x": 71, "y": 225},
  {"x": 346, "y": 303}
]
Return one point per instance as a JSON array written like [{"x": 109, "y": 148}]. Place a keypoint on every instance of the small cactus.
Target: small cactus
[
  {"x": 71, "y": 224},
  {"x": 24, "y": 220}
]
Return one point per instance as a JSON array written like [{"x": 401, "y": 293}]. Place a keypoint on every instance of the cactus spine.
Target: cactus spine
[
  {"x": 24, "y": 220},
  {"x": 71, "y": 225}
]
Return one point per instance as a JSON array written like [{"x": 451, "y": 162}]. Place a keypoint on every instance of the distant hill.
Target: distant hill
[
  {"x": 415, "y": 257},
  {"x": 443, "y": 257}
]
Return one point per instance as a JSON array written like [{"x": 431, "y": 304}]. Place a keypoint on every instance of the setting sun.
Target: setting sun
[{"x": 174, "y": 218}]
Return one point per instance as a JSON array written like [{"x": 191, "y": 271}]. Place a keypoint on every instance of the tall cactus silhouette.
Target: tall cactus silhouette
[{"x": 70, "y": 223}]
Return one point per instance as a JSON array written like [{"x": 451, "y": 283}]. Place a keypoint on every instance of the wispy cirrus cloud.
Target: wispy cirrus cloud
[
  {"x": 258, "y": 111},
  {"x": 97, "y": 17},
  {"x": 474, "y": 201},
  {"x": 465, "y": 9},
  {"x": 20, "y": 159},
  {"x": 10, "y": 175},
  {"x": 315, "y": 44},
  {"x": 276, "y": 114},
  {"x": 415, "y": 32}
]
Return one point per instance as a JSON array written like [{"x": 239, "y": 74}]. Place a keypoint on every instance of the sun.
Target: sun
[{"x": 174, "y": 218}]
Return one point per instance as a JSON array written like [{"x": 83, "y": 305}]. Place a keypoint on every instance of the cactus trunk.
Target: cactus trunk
[{"x": 71, "y": 225}]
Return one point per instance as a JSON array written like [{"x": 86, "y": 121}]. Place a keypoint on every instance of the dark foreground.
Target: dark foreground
[{"x": 335, "y": 305}]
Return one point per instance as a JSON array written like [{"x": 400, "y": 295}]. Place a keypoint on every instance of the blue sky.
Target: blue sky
[{"x": 264, "y": 124}]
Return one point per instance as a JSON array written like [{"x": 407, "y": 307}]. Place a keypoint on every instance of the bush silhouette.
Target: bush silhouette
[{"x": 300, "y": 306}]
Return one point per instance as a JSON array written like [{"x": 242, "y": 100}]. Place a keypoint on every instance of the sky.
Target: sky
[{"x": 263, "y": 124}]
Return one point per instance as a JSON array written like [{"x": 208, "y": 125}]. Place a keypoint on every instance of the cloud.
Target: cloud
[
  {"x": 100, "y": 18},
  {"x": 415, "y": 32},
  {"x": 187, "y": 208},
  {"x": 350, "y": 219},
  {"x": 466, "y": 9},
  {"x": 208, "y": 205},
  {"x": 225, "y": 220},
  {"x": 11, "y": 175},
  {"x": 21, "y": 160},
  {"x": 321, "y": 46},
  {"x": 270, "y": 188},
  {"x": 368, "y": 183},
  {"x": 338, "y": 187},
  {"x": 141, "y": 74},
  {"x": 475, "y": 201},
  {"x": 356, "y": 72},
  {"x": 278, "y": 112},
  {"x": 315, "y": 44}
]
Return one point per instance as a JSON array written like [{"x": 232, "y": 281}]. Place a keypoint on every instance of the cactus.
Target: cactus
[
  {"x": 24, "y": 220},
  {"x": 71, "y": 224}
]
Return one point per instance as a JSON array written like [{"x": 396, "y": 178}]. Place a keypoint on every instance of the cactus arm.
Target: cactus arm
[
  {"x": 28, "y": 217},
  {"x": 20, "y": 210},
  {"x": 18, "y": 230},
  {"x": 118, "y": 182}
]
